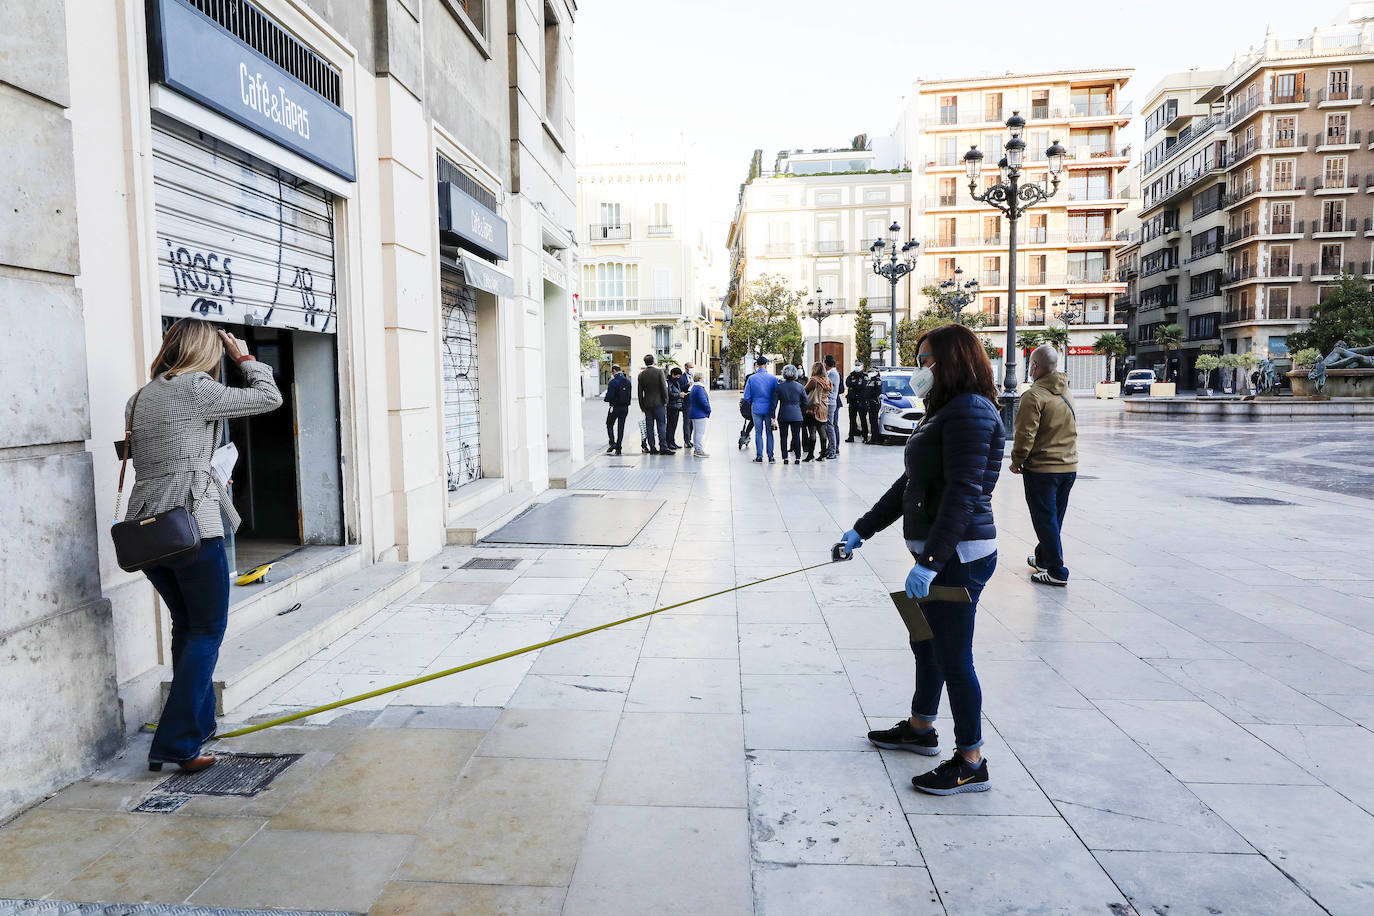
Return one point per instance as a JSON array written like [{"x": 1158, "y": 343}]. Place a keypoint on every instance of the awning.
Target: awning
[{"x": 485, "y": 275}]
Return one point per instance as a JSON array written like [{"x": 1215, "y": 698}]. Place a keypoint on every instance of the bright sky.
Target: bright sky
[{"x": 713, "y": 80}]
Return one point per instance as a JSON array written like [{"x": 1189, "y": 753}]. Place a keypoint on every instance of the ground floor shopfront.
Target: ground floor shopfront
[{"x": 424, "y": 372}]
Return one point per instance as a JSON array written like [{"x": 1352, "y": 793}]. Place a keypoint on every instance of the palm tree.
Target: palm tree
[
  {"x": 1168, "y": 338},
  {"x": 1057, "y": 338},
  {"x": 1112, "y": 346},
  {"x": 1027, "y": 341}
]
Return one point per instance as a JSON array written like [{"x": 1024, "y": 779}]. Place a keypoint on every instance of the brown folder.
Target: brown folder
[{"x": 910, "y": 609}]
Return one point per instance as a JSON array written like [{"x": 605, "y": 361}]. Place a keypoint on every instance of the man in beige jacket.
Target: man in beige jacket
[{"x": 1045, "y": 454}]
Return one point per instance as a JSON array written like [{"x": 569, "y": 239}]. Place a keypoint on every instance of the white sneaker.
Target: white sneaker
[{"x": 700, "y": 454}]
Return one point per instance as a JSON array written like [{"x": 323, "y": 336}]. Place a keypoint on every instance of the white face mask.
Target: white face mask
[{"x": 922, "y": 380}]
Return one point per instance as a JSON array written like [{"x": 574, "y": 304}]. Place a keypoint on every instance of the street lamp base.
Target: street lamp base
[{"x": 1007, "y": 405}]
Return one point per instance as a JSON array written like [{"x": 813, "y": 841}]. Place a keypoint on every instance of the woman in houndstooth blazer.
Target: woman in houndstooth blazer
[{"x": 174, "y": 424}]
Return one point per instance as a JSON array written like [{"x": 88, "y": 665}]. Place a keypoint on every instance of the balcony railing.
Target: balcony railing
[
  {"x": 1349, "y": 94},
  {"x": 1295, "y": 97},
  {"x": 990, "y": 278},
  {"x": 1340, "y": 184},
  {"x": 1242, "y": 110},
  {"x": 608, "y": 232},
  {"x": 946, "y": 200},
  {"x": 1341, "y": 138},
  {"x": 660, "y": 306},
  {"x": 1286, "y": 227},
  {"x": 778, "y": 250},
  {"x": 1090, "y": 194},
  {"x": 1096, "y": 109},
  {"x": 1336, "y": 225},
  {"x": 1262, "y": 313},
  {"x": 1330, "y": 268},
  {"x": 1152, "y": 266},
  {"x": 1090, "y": 276},
  {"x": 1091, "y": 235},
  {"x": 830, "y": 246},
  {"x": 1244, "y": 232},
  {"x": 658, "y": 232},
  {"x": 1287, "y": 139}
]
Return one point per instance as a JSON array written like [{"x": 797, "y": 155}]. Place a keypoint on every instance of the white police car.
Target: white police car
[{"x": 899, "y": 410}]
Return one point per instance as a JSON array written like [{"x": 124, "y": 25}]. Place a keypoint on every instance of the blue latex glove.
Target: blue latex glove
[
  {"x": 851, "y": 540},
  {"x": 918, "y": 581}
]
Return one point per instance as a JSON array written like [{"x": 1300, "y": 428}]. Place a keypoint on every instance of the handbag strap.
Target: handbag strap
[{"x": 124, "y": 463}]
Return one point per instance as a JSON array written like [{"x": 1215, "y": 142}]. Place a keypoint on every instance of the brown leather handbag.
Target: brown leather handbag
[{"x": 170, "y": 538}]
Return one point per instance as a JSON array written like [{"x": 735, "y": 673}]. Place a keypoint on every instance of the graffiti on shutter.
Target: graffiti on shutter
[
  {"x": 462, "y": 425},
  {"x": 240, "y": 241}
]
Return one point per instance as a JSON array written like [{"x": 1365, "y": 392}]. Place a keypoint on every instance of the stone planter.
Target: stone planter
[
  {"x": 1163, "y": 390},
  {"x": 1108, "y": 390},
  {"x": 1340, "y": 383}
]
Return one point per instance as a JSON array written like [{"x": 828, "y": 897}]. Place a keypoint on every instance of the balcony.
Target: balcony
[
  {"x": 1089, "y": 156},
  {"x": 779, "y": 250},
  {"x": 1081, "y": 236},
  {"x": 1090, "y": 195},
  {"x": 1285, "y": 227},
  {"x": 660, "y": 306},
  {"x": 1288, "y": 139},
  {"x": 1338, "y": 138},
  {"x": 990, "y": 278},
  {"x": 1330, "y": 269},
  {"x": 1099, "y": 110},
  {"x": 1085, "y": 277},
  {"x": 1245, "y": 108},
  {"x": 1335, "y": 227},
  {"x": 1337, "y": 185},
  {"x": 1351, "y": 95},
  {"x": 1151, "y": 266},
  {"x": 660, "y": 232},
  {"x": 608, "y": 232},
  {"x": 1244, "y": 232},
  {"x": 946, "y": 200},
  {"x": 830, "y": 246},
  {"x": 1262, "y": 313},
  {"x": 1292, "y": 97},
  {"x": 1185, "y": 137}
]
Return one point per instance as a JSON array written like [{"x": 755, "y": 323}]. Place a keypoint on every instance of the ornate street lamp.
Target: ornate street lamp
[
  {"x": 894, "y": 269},
  {"x": 959, "y": 292},
  {"x": 1013, "y": 198},
  {"x": 1066, "y": 312},
  {"x": 820, "y": 309}
]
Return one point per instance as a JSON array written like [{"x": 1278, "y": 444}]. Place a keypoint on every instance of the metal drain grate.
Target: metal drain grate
[
  {"x": 68, "y": 908},
  {"x": 162, "y": 804},
  {"x": 618, "y": 479},
  {"x": 1252, "y": 501},
  {"x": 490, "y": 563},
  {"x": 241, "y": 774}
]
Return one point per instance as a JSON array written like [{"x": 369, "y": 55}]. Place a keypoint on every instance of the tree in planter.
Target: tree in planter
[
  {"x": 1347, "y": 313},
  {"x": 1306, "y": 358},
  {"x": 1112, "y": 346},
  {"x": 1168, "y": 338},
  {"x": 863, "y": 332},
  {"x": 1229, "y": 362},
  {"x": 1248, "y": 361},
  {"x": 1206, "y": 364},
  {"x": 766, "y": 320}
]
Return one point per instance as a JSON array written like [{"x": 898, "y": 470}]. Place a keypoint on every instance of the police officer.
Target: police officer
[
  {"x": 873, "y": 398},
  {"x": 857, "y": 383},
  {"x": 618, "y": 392}
]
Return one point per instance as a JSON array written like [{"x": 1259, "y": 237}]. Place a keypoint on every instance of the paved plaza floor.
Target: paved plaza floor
[{"x": 1186, "y": 728}]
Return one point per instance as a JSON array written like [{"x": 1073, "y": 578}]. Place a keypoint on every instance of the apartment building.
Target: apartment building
[
  {"x": 1066, "y": 260},
  {"x": 1299, "y": 174},
  {"x": 646, "y": 266},
  {"x": 1179, "y": 265},
  {"x": 810, "y": 220}
]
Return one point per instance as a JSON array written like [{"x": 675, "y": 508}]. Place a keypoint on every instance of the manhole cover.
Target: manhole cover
[
  {"x": 618, "y": 479},
  {"x": 490, "y": 563},
  {"x": 68, "y": 908},
  {"x": 162, "y": 804},
  {"x": 241, "y": 774},
  {"x": 1252, "y": 501}
]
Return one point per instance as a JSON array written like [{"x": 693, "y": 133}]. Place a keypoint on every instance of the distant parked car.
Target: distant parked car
[
  {"x": 899, "y": 410},
  {"x": 1139, "y": 381}
]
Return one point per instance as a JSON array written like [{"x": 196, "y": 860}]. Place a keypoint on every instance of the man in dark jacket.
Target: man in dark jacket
[
  {"x": 618, "y": 397},
  {"x": 688, "y": 371},
  {"x": 873, "y": 403},
  {"x": 676, "y": 401},
  {"x": 1045, "y": 453},
  {"x": 857, "y": 383},
  {"x": 653, "y": 401}
]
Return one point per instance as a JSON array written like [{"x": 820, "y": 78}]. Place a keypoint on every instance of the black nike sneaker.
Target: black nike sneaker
[
  {"x": 954, "y": 776},
  {"x": 902, "y": 737}
]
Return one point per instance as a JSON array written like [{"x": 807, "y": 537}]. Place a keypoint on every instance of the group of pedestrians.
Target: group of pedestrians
[
  {"x": 667, "y": 400},
  {"x": 806, "y": 408}
]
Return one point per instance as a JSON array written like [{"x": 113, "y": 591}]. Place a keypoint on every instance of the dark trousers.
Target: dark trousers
[
  {"x": 197, "y": 596},
  {"x": 1047, "y": 497},
  {"x": 946, "y": 662},
  {"x": 791, "y": 435},
  {"x": 818, "y": 437},
  {"x": 615, "y": 424},
  {"x": 688, "y": 428},
  {"x": 656, "y": 427},
  {"x": 858, "y": 420},
  {"x": 874, "y": 430},
  {"x": 674, "y": 414}
]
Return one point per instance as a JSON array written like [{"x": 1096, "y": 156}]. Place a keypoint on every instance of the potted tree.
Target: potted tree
[
  {"x": 1303, "y": 361},
  {"x": 1248, "y": 361},
  {"x": 1229, "y": 363},
  {"x": 1168, "y": 338},
  {"x": 1206, "y": 364},
  {"x": 1112, "y": 346}
]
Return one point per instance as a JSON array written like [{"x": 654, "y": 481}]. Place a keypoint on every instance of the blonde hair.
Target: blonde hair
[
  {"x": 190, "y": 345},
  {"x": 697, "y": 376},
  {"x": 817, "y": 370}
]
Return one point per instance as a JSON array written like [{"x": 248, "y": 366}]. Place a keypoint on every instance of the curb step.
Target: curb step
[
  {"x": 254, "y": 658},
  {"x": 488, "y": 517}
]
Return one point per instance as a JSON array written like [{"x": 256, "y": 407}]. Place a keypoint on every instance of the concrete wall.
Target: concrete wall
[{"x": 57, "y": 672}]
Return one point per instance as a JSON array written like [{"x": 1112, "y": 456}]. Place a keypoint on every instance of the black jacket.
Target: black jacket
[
  {"x": 857, "y": 383},
  {"x": 618, "y": 391},
  {"x": 945, "y": 496}
]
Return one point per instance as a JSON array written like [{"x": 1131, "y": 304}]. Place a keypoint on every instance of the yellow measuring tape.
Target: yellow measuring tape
[{"x": 502, "y": 657}]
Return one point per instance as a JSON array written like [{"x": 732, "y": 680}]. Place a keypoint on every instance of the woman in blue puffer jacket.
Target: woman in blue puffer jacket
[{"x": 945, "y": 502}]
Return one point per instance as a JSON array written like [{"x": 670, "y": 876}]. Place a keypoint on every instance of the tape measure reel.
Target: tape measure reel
[{"x": 255, "y": 576}]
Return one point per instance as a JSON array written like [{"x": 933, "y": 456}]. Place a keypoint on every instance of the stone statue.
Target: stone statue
[
  {"x": 1318, "y": 375},
  {"x": 1269, "y": 376},
  {"x": 1346, "y": 357}
]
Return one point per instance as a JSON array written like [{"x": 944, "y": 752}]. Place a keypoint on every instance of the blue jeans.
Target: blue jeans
[
  {"x": 763, "y": 424},
  {"x": 656, "y": 422},
  {"x": 834, "y": 424},
  {"x": 946, "y": 662},
  {"x": 1047, "y": 497},
  {"x": 197, "y": 596}
]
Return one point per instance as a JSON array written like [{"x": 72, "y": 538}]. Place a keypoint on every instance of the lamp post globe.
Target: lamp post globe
[{"x": 893, "y": 269}]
